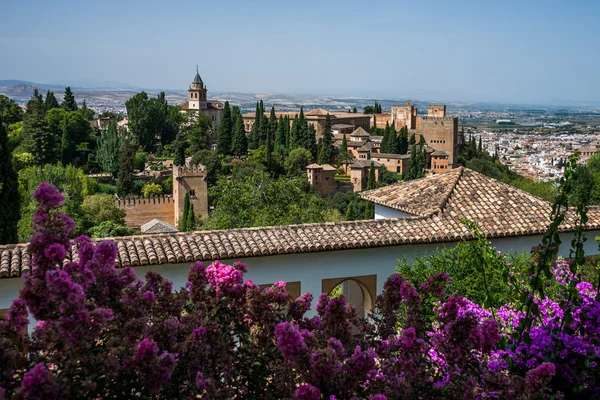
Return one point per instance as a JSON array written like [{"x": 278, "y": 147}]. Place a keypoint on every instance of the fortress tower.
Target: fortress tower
[
  {"x": 405, "y": 116},
  {"x": 436, "y": 110},
  {"x": 190, "y": 179},
  {"x": 197, "y": 94}
]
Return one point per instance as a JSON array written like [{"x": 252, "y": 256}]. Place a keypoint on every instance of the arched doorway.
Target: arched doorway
[{"x": 358, "y": 290}]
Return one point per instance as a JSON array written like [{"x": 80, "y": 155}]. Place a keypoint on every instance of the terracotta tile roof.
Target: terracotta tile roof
[
  {"x": 360, "y": 132},
  {"x": 497, "y": 208},
  {"x": 253, "y": 242}
]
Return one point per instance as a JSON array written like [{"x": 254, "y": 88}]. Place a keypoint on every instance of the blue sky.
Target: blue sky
[{"x": 514, "y": 51}]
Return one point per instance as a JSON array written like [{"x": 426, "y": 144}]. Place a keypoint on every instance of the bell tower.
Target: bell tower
[{"x": 197, "y": 93}]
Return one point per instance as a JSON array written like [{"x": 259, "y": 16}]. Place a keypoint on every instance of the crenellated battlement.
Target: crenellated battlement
[
  {"x": 189, "y": 170},
  {"x": 134, "y": 201},
  {"x": 428, "y": 118}
]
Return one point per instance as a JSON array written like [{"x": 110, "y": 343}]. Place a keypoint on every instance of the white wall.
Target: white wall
[
  {"x": 311, "y": 268},
  {"x": 387, "y": 212}
]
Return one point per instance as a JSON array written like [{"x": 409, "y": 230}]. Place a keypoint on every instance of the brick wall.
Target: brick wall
[{"x": 141, "y": 210}]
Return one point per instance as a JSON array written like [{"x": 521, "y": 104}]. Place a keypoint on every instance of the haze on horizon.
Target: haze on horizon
[{"x": 507, "y": 51}]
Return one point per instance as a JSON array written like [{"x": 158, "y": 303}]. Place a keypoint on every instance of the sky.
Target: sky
[{"x": 527, "y": 51}]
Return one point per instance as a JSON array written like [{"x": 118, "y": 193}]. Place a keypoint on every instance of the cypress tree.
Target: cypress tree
[
  {"x": 402, "y": 141},
  {"x": 69, "y": 103},
  {"x": 280, "y": 142},
  {"x": 66, "y": 144},
  {"x": 179, "y": 148},
  {"x": 183, "y": 221},
  {"x": 253, "y": 142},
  {"x": 350, "y": 212},
  {"x": 191, "y": 218},
  {"x": 412, "y": 140},
  {"x": 480, "y": 146},
  {"x": 273, "y": 124},
  {"x": 294, "y": 134},
  {"x": 370, "y": 207},
  {"x": 326, "y": 150},
  {"x": 269, "y": 149},
  {"x": 225, "y": 129},
  {"x": 125, "y": 174},
  {"x": 311, "y": 141},
  {"x": 344, "y": 155},
  {"x": 9, "y": 192},
  {"x": 303, "y": 140},
  {"x": 107, "y": 150},
  {"x": 239, "y": 145},
  {"x": 38, "y": 139},
  {"x": 50, "y": 101},
  {"x": 354, "y": 110},
  {"x": 386, "y": 142}
]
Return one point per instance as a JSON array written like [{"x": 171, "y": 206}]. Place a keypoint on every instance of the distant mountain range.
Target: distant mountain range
[{"x": 112, "y": 94}]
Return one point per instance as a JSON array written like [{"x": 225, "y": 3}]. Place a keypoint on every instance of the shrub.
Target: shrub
[
  {"x": 151, "y": 189},
  {"x": 105, "y": 334},
  {"x": 139, "y": 162}
]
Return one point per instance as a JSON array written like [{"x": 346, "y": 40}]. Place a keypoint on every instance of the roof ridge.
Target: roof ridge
[{"x": 448, "y": 195}]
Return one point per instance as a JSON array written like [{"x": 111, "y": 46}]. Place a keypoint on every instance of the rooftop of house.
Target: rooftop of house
[
  {"x": 439, "y": 202},
  {"x": 360, "y": 132},
  {"x": 496, "y": 207},
  {"x": 158, "y": 226}
]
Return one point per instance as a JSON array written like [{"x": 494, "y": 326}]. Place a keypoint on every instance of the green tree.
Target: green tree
[
  {"x": 388, "y": 144},
  {"x": 239, "y": 145},
  {"x": 183, "y": 220},
  {"x": 402, "y": 141},
  {"x": 294, "y": 141},
  {"x": 69, "y": 102},
  {"x": 71, "y": 181},
  {"x": 368, "y": 110},
  {"x": 326, "y": 150},
  {"x": 151, "y": 189},
  {"x": 354, "y": 110},
  {"x": 179, "y": 147},
  {"x": 125, "y": 172},
  {"x": 253, "y": 137},
  {"x": 295, "y": 164},
  {"x": 38, "y": 140},
  {"x": 9, "y": 192},
  {"x": 350, "y": 212},
  {"x": 10, "y": 112},
  {"x": 416, "y": 163},
  {"x": 261, "y": 200},
  {"x": 86, "y": 112},
  {"x": 98, "y": 208},
  {"x": 344, "y": 154},
  {"x": 224, "y": 139},
  {"x": 371, "y": 184},
  {"x": 107, "y": 150},
  {"x": 191, "y": 218},
  {"x": 50, "y": 102},
  {"x": 280, "y": 139},
  {"x": 196, "y": 130},
  {"x": 212, "y": 161},
  {"x": 109, "y": 229}
]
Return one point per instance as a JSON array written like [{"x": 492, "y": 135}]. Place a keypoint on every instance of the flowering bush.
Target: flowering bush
[{"x": 103, "y": 333}]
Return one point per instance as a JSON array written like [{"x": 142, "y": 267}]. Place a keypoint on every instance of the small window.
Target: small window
[
  {"x": 326, "y": 178},
  {"x": 192, "y": 192}
]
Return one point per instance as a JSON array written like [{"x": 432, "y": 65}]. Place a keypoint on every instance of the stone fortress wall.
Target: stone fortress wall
[{"x": 141, "y": 210}]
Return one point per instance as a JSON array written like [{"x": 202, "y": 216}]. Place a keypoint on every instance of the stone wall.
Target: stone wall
[{"x": 141, "y": 210}]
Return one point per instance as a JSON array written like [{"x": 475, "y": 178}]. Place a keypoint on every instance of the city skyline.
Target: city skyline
[{"x": 510, "y": 52}]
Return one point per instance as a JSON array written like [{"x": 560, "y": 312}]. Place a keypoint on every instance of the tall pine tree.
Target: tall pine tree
[
  {"x": 183, "y": 220},
  {"x": 9, "y": 192},
  {"x": 191, "y": 218},
  {"x": 402, "y": 141},
  {"x": 344, "y": 154},
  {"x": 253, "y": 136},
  {"x": 69, "y": 103},
  {"x": 326, "y": 150},
  {"x": 225, "y": 128},
  {"x": 280, "y": 139},
  {"x": 107, "y": 150},
  {"x": 386, "y": 142},
  {"x": 125, "y": 174},
  {"x": 239, "y": 145},
  {"x": 370, "y": 207},
  {"x": 50, "y": 101},
  {"x": 294, "y": 134},
  {"x": 38, "y": 139}
]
